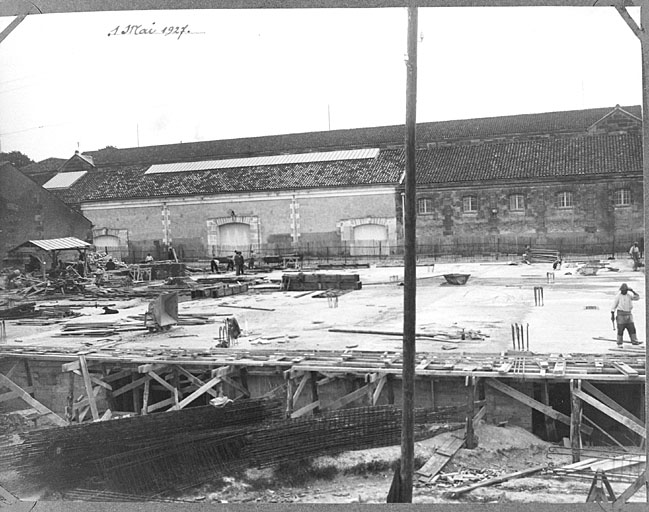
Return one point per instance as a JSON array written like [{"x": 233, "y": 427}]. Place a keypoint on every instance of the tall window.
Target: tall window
[
  {"x": 622, "y": 197},
  {"x": 470, "y": 204},
  {"x": 517, "y": 202},
  {"x": 564, "y": 200},
  {"x": 424, "y": 205}
]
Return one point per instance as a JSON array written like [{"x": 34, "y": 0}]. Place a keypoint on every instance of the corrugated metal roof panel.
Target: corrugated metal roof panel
[
  {"x": 55, "y": 244},
  {"x": 231, "y": 163},
  {"x": 64, "y": 180}
]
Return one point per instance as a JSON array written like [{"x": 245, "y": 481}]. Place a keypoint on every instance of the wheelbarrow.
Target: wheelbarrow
[{"x": 457, "y": 279}]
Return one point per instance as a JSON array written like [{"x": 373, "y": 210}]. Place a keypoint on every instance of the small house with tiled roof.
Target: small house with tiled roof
[{"x": 550, "y": 178}]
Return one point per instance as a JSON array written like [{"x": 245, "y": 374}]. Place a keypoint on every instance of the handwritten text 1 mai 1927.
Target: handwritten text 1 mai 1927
[{"x": 150, "y": 30}]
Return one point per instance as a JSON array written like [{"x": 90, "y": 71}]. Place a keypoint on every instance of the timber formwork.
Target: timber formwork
[{"x": 172, "y": 379}]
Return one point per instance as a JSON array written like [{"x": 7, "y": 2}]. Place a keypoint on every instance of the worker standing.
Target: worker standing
[
  {"x": 623, "y": 304},
  {"x": 635, "y": 254},
  {"x": 238, "y": 262}
]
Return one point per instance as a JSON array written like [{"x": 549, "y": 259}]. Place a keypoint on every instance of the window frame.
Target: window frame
[
  {"x": 514, "y": 198},
  {"x": 473, "y": 202},
  {"x": 562, "y": 200},
  {"x": 428, "y": 206},
  {"x": 619, "y": 194}
]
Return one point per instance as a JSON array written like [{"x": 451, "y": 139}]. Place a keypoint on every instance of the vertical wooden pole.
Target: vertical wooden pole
[
  {"x": 137, "y": 403},
  {"x": 69, "y": 407},
  {"x": 88, "y": 384},
  {"x": 389, "y": 378},
  {"x": 471, "y": 441},
  {"x": 314, "y": 390},
  {"x": 644, "y": 46},
  {"x": 289, "y": 393},
  {"x": 410, "y": 266},
  {"x": 145, "y": 398},
  {"x": 550, "y": 426},
  {"x": 575, "y": 423},
  {"x": 432, "y": 393}
]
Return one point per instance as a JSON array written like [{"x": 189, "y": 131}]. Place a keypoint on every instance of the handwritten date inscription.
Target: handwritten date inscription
[{"x": 150, "y": 30}]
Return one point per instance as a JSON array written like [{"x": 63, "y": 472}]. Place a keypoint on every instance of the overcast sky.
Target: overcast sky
[{"x": 66, "y": 84}]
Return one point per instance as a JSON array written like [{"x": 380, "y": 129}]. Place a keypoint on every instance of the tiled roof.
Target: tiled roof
[
  {"x": 532, "y": 159},
  {"x": 586, "y": 155},
  {"x": 131, "y": 182},
  {"x": 573, "y": 121}
]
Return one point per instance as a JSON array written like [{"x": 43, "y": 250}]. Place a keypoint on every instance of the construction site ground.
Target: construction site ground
[{"x": 574, "y": 317}]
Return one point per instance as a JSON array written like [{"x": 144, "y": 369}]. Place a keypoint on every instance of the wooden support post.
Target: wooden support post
[
  {"x": 314, "y": 392},
  {"x": 35, "y": 404},
  {"x": 145, "y": 398},
  {"x": 432, "y": 394},
  {"x": 289, "y": 393},
  {"x": 471, "y": 440},
  {"x": 550, "y": 425},
  {"x": 575, "y": 422},
  {"x": 137, "y": 403},
  {"x": 243, "y": 379},
  {"x": 390, "y": 383},
  {"x": 88, "y": 385},
  {"x": 69, "y": 405}
]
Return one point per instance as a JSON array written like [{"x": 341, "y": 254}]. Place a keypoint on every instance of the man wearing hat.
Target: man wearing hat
[{"x": 623, "y": 305}]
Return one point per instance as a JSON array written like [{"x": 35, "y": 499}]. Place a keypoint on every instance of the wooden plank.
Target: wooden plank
[
  {"x": 70, "y": 367},
  {"x": 306, "y": 409},
  {"x": 534, "y": 404},
  {"x": 162, "y": 403},
  {"x": 575, "y": 422},
  {"x": 606, "y": 434},
  {"x": 7, "y": 497},
  {"x": 106, "y": 416},
  {"x": 200, "y": 391},
  {"x": 632, "y": 425},
  {"x": 118, "y": 375},
  {"x": 300, "y": 387},
  {"x": 223, "y": 371},
  {"x": 379, "y": 388},
  {"x": 503, "y": 478},
  {"x": 131, "y": 385},
  {"x": 440, "y": 458},
  {"x": 160, "y": 380},
  {"x": 11, "y": 395},
  {"x": 347, "y": 399},
  {"x": 145, "y": 398},
  {"x": 88, "y": 385},
  {"x": 605, "y": 399},
  {"x": 195, "y": 381},
  {"x": 26, "y": 397},
  {"x": 151, "y": 367},
  {"x": 95, "y": 380},
  {"x": 236, "y": 385},
  {"x": 625, "y": 369}
]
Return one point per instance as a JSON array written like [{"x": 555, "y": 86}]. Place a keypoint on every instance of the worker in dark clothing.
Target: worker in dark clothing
[
  {"x": 238, "y": 262},
  {"x": 110, "y": 264},
  {"x": 214, "y": 265}
]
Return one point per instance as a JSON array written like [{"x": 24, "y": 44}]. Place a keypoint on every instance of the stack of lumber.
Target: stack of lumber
[
  {"x": 24, "y": 310},
  {"x": 544, "y": 255},
  {"x": 98, "y": 328},
  {"x": 219, "y": 290},
  {"x": 302, "y": 281}
]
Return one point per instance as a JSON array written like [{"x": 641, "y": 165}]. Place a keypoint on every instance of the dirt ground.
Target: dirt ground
[{"x": 365, "y": 476}]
